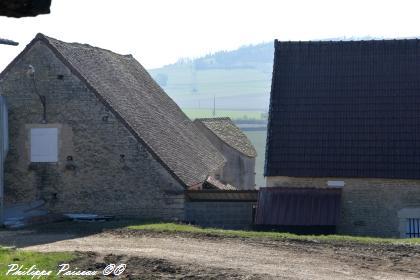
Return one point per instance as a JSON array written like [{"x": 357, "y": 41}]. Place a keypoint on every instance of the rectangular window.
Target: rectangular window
[
  {"x": 44, "y": 144},
  {"x": 413, "y": 228}
]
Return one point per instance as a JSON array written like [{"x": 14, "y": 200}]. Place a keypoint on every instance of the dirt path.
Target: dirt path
[{"x": 168, "y": 255}]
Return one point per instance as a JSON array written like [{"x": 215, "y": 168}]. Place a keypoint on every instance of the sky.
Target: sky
[{"x": 159, "y": 32}]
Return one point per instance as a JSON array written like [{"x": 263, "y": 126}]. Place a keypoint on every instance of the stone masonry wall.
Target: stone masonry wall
[
  {"x": 220, "y": 214},
  {"x": 369, "y": 206},
  {"x": 101, "y": 169}
]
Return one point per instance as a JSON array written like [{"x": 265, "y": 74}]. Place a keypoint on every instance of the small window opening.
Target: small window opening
[{"x": 44, "y": 144}]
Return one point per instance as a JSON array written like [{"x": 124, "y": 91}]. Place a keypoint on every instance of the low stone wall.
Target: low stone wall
[{"x": 220, "y": 214}]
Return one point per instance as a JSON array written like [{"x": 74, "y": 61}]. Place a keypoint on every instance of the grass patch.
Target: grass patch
[
  {"x": 43, "y": 261},
  {"x": 182, "y": 228}
]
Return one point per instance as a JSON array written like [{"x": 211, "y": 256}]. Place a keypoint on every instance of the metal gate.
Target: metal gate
[{"x": 413, "y": 228}]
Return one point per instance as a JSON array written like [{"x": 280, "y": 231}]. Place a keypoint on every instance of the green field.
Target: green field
[
  {"x": 237, "y": 80},
  {"x": 183, "y": 80},
  {"x": 237, "y": 89},
  {"x": 233, "y": 114},
  {"x": 233, "y": 84}
]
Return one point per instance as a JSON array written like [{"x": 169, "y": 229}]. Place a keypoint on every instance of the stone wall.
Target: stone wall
[
  {"x": 101, "y": 168},
  {"x": 239, "y": 170},
  {"x": 220, "y": 214},
  {"x": 371, "y": 207}
]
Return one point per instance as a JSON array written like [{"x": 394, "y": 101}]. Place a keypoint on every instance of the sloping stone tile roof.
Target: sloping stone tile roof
[
  {"x": 146, "y": 110},
  {"x": 226, "y": 130}
]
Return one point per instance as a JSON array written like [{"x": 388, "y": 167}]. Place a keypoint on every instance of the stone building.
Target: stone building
[
  {"x": 91, "y": 132},
  {"x": 345, "y": 115},
  {"x": 238, "y": 151}
]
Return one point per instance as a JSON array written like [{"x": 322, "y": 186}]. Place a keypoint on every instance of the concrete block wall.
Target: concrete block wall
[
  {"x": 369, "y": 207},
  {"x": 220, "y": 214},
  {"x": 102, "y": 168}
]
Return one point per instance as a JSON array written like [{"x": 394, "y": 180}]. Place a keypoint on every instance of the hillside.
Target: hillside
[{"x": 237, "y": 82}]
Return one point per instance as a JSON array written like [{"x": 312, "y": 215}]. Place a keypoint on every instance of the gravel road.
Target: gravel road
[{"x": 165, "y": 256}]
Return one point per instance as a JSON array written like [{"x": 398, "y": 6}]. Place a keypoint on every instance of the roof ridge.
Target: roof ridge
[
  {"x": 45, "y": 37},
  {"x": 400, "y": 40},
  {"x": 213, "y": 119},
  {"x": 353, "y": 96}
]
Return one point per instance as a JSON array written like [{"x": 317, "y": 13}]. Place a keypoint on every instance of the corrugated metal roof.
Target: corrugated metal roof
[{"x": 298, "y": 206}]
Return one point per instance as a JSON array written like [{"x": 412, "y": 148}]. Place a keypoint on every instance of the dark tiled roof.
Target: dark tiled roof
[
  {"x": 228, "y": 132},
  {"x": 345, "y": 109},
  {"x": 150, "y": 114}
]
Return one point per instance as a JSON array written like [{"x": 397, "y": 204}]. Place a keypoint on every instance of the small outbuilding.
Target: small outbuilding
[
  {"x": 237, "y": 149},
  {"x": 345, "y": 114}
]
